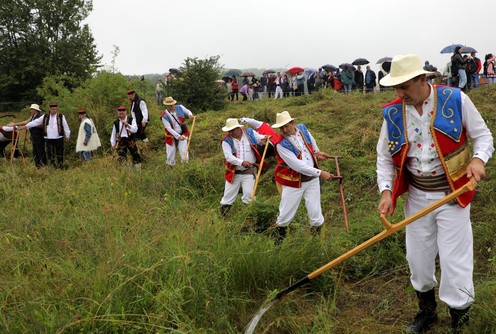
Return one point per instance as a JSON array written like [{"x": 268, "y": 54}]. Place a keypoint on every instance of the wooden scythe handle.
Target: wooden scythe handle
[
  {"x": 189, "y": 138},
  {"x": 267, "y": 138}
]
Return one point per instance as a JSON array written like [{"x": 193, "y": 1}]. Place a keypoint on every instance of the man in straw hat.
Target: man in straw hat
[
  {"x": 55, "y": 129},
  {"x": 37, "y": 136},
  {"x": 242, "y": 160},
  {"x": 423, "y": 150},
  {"x": 176, "y": 132},
  {"x": 298, "y": 173}
]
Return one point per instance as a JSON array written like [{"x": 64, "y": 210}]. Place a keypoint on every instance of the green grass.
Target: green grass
[{"x": 102, "y": 248}]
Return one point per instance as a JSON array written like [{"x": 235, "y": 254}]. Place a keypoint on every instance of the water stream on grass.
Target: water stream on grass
[{"x": 256, "y": 318}]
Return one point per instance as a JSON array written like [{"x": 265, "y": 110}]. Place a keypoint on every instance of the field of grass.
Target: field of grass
[{"x": 103, "y": 248}]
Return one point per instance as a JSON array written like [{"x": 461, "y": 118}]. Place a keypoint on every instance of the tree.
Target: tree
[
  {"x": 40, "y": 38},
  {"x": 197, "y": 88}
]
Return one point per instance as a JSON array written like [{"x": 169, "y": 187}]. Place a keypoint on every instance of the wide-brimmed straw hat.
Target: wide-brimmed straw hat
[
  {"x": 403, "y": 68},
  {"x": 35, "y": 107},
  {"x": 282, "y": 119},
  {"x": 231, "y": 123},
  {"x": 169, "y": 101}
]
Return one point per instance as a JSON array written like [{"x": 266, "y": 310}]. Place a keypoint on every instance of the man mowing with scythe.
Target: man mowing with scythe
[{"x": 423, "y": 150}]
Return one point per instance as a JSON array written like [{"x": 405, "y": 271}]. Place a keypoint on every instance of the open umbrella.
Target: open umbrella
[
  {"x": 360, "y": 61},
  {"x": 383, "y": 59},
  {"x": 247, "y": 74},
  {"x": 467, "y": 49},
  {"x": 226, "y": 78},
  {"x": 174, "y": 71},
  {"x": 329, "y": 68},
  {"x": 450, "y": 48},
  {"x": 348, "y": 65},
  {"x": 268, "y": 72},
  {"x": 386, "y": 66},
  {"x": 295, "y": 70},
  {"x": 232, "y": 72}
]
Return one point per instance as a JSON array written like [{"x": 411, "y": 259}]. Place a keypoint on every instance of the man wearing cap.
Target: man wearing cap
[
  {"x": 242, "y": 160},
  {"x": 423, "y": 149},
  {"x": 176, "y": 132},
  {"x": 298, "y": 173},
  {"x": 122, "y": 137},
  {"x": 139, "y": 112},
  {"x": 37, "y": 136},
  {"x": 55, "y": 128},
  {"x": 88, "y": 139}
]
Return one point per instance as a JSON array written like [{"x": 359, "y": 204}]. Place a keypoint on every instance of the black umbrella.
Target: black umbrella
[
  {"x": 329, "y": 68},
  {"x": 232, "y": 72},
  {"x": 383, "y": 59},
  {"x": 360, "y": 61},
  {"x": 344, "y": 65},
  {"x": 226, "y": 79},
  {"x": 268, "y": 72},
  {"x": 450, "y": 48},
  {"x": 175, "y": 71}
]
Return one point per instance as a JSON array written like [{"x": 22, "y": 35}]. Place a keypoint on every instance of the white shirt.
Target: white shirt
[
  {"x": 175, "y": 128},
  {"x": 243, "y": 150},
  {"x": 52, "y": 131},
  {"x": 422, "y": 157},
  {"x": 132, "y": 128},
  {"x": 144, "y": 110},
  {"x": 6, "y": 129},
  {"x": 305, "y": 165}
]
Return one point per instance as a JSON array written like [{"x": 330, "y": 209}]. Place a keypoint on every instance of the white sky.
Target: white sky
[{"x": 155, "y": 35}]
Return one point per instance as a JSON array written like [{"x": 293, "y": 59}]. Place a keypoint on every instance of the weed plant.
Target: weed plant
[{"x": 104, "y": 248}]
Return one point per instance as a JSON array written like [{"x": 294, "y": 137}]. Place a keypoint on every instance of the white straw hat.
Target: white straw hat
[
  {"x": 35, "y": 107},
  {"x": 282, "y": 119},
  {"x": 169, "y": 101},
  {"x": 403, "y": 68},
  {"x": 231, "y": 123}
]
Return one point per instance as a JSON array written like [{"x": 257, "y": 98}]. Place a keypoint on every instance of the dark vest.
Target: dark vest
[
  {"x": 46, "y": 121},
  {"x": 118, "y": 134},
  {"x": 37, "y": 131},
  {"x": 135, "y": 107}
]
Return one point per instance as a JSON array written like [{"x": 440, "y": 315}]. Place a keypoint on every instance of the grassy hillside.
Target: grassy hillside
[{"x": 102, "y": 248}]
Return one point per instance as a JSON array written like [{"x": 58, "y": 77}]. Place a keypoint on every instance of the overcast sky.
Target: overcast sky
[{"x": 155, "y": 35}]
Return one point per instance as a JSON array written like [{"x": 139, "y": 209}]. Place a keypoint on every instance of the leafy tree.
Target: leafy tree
[
  {"x": 40, "y": 38},
  {"x": 197, "y": 88}
]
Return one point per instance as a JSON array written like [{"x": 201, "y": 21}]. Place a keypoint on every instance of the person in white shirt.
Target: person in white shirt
[
  {"x": 278, "y": 83},
  {"x": 242, "y": 160},
  {"x": 424, "y": 150},
  {"x": 298, "y": 173},
  {"x": 122, "y": 137},
  {"x": 55, "y": 129},
  {"x": 139, "y": 112},
  {"x": 176, "y": 131},
  {"x": 9, "y": 135}
]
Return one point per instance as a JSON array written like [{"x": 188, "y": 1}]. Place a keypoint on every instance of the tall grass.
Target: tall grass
[{"x": 103, "y": 248}]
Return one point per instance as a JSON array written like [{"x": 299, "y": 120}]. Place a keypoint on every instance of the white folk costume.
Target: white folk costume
[
  {"x": 88, "y": 139},
  {"x": 173, "y": 121}
]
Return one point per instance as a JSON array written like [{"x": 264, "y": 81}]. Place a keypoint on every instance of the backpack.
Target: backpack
[{"x": 471, "y": 66}]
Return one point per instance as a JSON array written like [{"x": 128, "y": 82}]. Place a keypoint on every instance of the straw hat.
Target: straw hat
[
  {"x": 169, "y": 101},
  {"x": 403, "y": 68},
  {"x": 35, "y": 107},
  {"x": 231, "y": 123},
  {"x": 282, "y": 119}
]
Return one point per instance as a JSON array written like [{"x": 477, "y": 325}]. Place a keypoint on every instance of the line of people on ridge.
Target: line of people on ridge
[{"x": 423, "y": 151}]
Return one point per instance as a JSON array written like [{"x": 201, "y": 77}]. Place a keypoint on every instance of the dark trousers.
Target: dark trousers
[
  {"x": 140, "y": 134},
  {"x": 39, "y": 154},
  {"x": 55, "y": 152},
  {"x": 3, "y": 145},
  {"x": 126, "y": 145},
  {"x": 233, "y": 94}
]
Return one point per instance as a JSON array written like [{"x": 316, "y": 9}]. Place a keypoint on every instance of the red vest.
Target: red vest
[
  {"x": 454, "y": 153},
  {"x": 285, "y": 175},
  {"x": 169, "y": 138}
]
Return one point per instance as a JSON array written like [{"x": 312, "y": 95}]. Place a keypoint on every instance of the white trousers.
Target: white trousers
[
  {"x": 278, "y": 92},
  {"x": 445, "y": 231},
  {"x": 170, "y": 150},
  {"x": 291, "y": 198},
  {"x": 246, "y": 182}
]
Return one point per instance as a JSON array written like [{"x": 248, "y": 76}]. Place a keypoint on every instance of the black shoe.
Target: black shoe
[
  {"x": 279, "y": 234},
  {"x": 423, "y": 320},
  {"x": 315, "y": 230},
  {"x": 224, "y": 209},
  {"x": 459, "y": 318}
]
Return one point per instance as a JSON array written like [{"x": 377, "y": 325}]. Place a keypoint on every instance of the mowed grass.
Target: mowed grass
[{"x": 103, "y": 248}]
